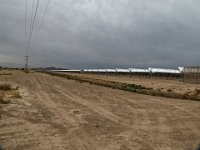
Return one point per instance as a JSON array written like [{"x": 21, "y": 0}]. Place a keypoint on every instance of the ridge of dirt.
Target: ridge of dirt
[{"x": 135, "y": 88}]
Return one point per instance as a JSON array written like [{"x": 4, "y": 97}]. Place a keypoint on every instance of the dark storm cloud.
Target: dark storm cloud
[{"x": 104, "y": 33}]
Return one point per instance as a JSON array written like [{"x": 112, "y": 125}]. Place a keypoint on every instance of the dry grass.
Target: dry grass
[
  {"x": 3, "y": 100},
  {"x": 7, "y": 99},
  {"x": 169, "y": 90},
  {"x": 197, "y": 91},
  {"x": 128, "y": 87},
  {"x": 7, "y": 92},
  {"x": 5, "y": 87},
  {"x": 16, "y": 95},
  {"x": 17, "y": 88},
  {"x": 5, "y": 74}
]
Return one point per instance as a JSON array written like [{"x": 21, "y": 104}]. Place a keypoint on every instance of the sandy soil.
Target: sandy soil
[
  {"x": 61, "y": 114},
  {"x": 176, "y": 86}
]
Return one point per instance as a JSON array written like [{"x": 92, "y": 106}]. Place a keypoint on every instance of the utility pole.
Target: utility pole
[{"x": 26, "y": 65}]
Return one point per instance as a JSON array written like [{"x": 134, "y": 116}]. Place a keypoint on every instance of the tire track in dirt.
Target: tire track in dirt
[
  {"x": 101, "y": 109},
  {"x": 83, "y": 104},
  {"x": 73, "y": 133},
  {"x": 161, "y": 121},
  {"x": 145, "y": 118},
  {"x": 47, "y": 101},
  {"x": 107, "y": 114}
]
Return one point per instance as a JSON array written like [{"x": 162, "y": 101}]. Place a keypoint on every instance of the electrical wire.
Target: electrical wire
[
  {"x": 40, "y": 26},
  {"x": 32, "y": 26},
  {"x": 29, "y": 34},
  {"x": 25, "y": 20}
]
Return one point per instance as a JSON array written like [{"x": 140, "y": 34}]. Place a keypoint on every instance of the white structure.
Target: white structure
[
  {"x": 122, "y": 70},
  {"x": 161, "y": 70},
  {"x": 111, "y": 70},
  {"x": 102, "y": 70},
  {"x": 181, "y": 69},
  {"x": 95, "y": 70},
  {"x": 66, "y": 70},
  {"x": 130, "y": 70},
  {"x": 135, "y": 70}
]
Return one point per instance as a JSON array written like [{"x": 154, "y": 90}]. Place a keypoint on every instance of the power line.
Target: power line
[
  {"x": 33, "y": 23},
  {"x": 32, "y": 9},
  {"x": 30, "y": 26},
  {"x": 40, "y": 26},
  {"x": 25, "y": 19}
]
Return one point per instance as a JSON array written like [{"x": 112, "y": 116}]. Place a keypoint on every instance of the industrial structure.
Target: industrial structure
[
  {"x": 192, "y": 74},
  {"x": 133, "y": 71},
  {"x": 188, "y": 74}
]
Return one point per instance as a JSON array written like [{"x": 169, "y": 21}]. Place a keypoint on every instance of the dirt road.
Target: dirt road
[{"x": 57, "y": 113}]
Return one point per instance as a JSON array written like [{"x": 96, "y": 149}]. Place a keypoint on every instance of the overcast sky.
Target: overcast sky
[{"x": 103, "y": 33}]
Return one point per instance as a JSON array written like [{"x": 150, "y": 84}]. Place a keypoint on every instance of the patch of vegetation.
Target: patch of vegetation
[
  {"x": 127, "y": 87},
  {"x": 16, "y": 95},
  {"x": 17, "y": 88},
  {"x": 197, "y": 91},
  {"x": 5, "y": 87},
  {"x": 7, "y": 92},
  {"x": 5, "y": 74},
  {"x": 3, "y": 100},
  {"x": 169, "y": 90}
]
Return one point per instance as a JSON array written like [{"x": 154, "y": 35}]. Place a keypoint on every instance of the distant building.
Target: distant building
[{"x": 192, "y": 74}]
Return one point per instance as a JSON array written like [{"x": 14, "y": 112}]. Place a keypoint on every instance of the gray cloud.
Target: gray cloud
[{"x": 105, "y": 33}]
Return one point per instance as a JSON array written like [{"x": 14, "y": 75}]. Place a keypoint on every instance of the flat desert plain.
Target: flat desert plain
[{"x": 59, "y": 114}]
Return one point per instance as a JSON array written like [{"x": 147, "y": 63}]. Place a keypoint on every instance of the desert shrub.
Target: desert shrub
[
  {"x": 169, "y": 90},
  {"x": 80, "y": 81},
  {"x": 16, "y": 95},
  {"x": 4, "y": 101},
  {"x": 134, "y": 86},
  {"x": 197, "y": 91},
  {"x": 1, "y": 99},
  {"x": 5, "y": 87},
  {"x": 186, "y": 95}
]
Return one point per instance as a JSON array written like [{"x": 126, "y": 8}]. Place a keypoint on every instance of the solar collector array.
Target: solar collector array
[{"x": 130, "y": 70}]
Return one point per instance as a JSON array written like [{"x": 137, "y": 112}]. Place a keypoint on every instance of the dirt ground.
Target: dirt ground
[
  {"x": 174, "y": 85},
  {"x": 61, "y": 114}
]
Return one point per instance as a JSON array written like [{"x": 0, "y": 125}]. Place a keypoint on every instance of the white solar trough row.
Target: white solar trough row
[
  {"x": 160, "y": 70},
  {"x": 130, "y": 70},
  {"x": 66, "y": 70},
  {"x": 111, "y": 70},
  {"x": 123, "y": 70},
  {"x": 136, "y": 70}
]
